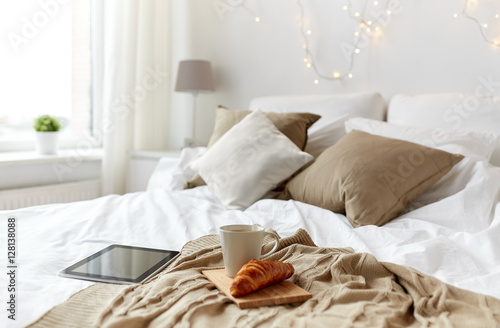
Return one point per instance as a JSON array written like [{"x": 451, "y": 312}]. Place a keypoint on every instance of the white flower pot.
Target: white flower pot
[{"x": 47, "y": 142}]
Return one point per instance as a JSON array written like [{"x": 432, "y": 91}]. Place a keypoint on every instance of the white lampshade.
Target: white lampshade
[{"x": 195, "y": 76}]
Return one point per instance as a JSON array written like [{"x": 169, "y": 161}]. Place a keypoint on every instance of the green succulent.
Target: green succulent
[{"x": 46, "y": 123}]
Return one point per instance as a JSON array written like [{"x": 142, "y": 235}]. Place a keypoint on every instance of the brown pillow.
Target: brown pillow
[
  {"x": 370, "y": 179},
  {"x": 292, "y": 125}
]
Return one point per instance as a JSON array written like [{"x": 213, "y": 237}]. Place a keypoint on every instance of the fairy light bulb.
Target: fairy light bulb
[
  {"x": 482, "y": 26},
  {"x": 257, "y": 19},
  {"x": 363, "y": 27}
]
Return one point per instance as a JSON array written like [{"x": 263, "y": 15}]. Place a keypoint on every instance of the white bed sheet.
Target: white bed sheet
[{"x": 455, "y": 239}]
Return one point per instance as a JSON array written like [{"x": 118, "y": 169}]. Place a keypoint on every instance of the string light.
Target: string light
[
  {"x": 243, "y": 5},
  {"x": 364, "y": 30},
  {"x": 481, "y": 26}
]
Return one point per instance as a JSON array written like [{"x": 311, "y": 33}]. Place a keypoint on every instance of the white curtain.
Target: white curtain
[{"x": 135, "y": 83}]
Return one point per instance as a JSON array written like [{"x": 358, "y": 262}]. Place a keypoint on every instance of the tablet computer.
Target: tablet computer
[{"x": 120, "y": 264}]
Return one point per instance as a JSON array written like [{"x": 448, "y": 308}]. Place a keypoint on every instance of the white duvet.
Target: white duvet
[{"x": 451, "y": 232}]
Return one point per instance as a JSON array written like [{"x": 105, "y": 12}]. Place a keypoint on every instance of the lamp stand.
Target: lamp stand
[{"x": 191, "y": 142}]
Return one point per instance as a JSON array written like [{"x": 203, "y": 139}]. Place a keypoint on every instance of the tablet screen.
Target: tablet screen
[{"x": 120, "y": 264}]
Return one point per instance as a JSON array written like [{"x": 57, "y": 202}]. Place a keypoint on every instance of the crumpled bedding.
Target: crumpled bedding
[{"x": 349, "y": 289}]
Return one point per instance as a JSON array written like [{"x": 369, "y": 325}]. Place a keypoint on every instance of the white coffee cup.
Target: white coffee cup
[{"x": 242, "y": 243}]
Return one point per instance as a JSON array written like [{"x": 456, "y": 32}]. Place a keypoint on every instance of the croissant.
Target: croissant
[{"x": 259, "y": 274}]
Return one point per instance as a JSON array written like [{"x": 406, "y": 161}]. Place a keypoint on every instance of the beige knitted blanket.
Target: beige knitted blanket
[{"x": 349, "y": 289}]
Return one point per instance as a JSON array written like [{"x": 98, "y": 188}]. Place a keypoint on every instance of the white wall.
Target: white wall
[{"x": 423, "y": 49}]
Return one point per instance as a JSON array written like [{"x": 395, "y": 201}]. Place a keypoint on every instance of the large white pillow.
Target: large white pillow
[
  {"x": 475, "y": 145},
  {"x": 334, "y": 111},
  {"x": 467, "y": 143},
  {"x": 452, "y": 111},
  {"x": 250, "y": 159}
]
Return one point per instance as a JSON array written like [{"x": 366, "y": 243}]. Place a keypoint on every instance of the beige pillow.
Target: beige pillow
[
  {"x": 292, "y": 125},
  {"x": 369, "y": 178}
]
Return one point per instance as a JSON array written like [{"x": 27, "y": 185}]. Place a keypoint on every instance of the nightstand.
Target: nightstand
[{"x": 142, "y": 164}]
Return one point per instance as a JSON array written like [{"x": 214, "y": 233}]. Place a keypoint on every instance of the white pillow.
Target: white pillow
[
  {"x": 250, "y": 159},
  {"x": 334, "y": 111},
  {"x": 173, "y": 173},
  {"x": 452, "y": 111},
  {"x": 467, "y": 143}
]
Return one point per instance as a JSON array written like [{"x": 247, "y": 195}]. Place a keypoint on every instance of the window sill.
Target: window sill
[{"x": 65, "y": 155}]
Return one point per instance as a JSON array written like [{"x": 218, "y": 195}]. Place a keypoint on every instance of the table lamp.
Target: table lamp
[{"x": 194, "y": 76}]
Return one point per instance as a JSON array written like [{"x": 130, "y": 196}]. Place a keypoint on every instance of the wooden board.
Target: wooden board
[{"x": 282, "y": 293}]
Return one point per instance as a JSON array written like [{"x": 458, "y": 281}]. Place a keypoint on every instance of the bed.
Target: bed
[{"x": 447, "y": 232}]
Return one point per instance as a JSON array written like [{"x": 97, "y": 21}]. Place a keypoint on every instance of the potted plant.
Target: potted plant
[{"x": 47, "y": 134}]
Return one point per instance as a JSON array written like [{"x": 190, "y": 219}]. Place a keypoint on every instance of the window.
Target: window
[{"x": 45, "y": 69}]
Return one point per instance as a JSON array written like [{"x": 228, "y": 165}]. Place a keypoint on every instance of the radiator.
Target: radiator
[{"x": 57, "y": 193}]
